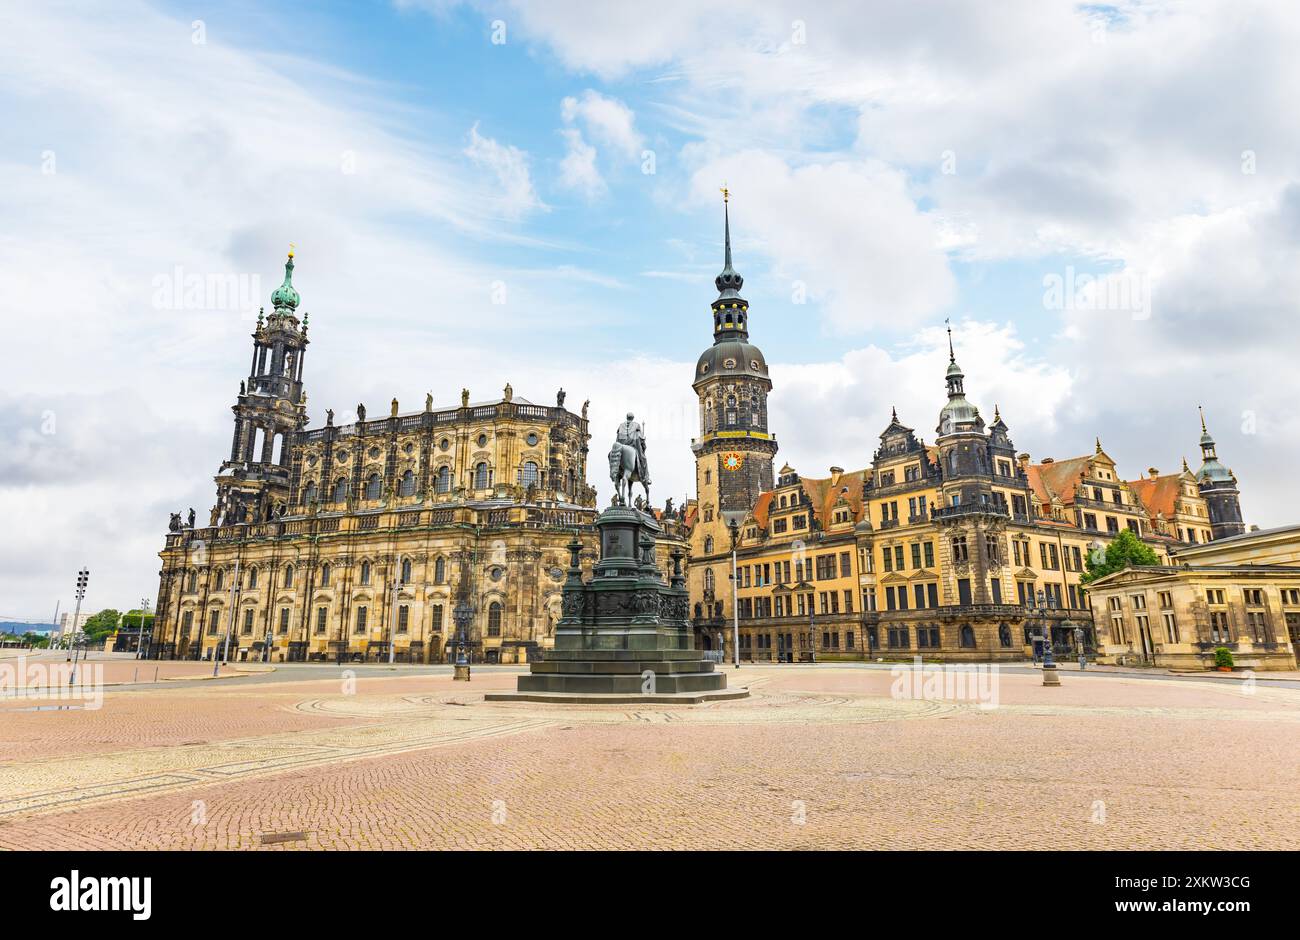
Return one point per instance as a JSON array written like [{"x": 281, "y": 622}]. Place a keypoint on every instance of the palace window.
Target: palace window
[
  {"x": 1004, "y": 634},
  {"x": 403, "y": 618},
  {"x": 494, "y": 619},
  {"x": 407, "y": 485},
  {"x": 219, "y": 579},
  {"x": 288, "y": 576},
  {"x": 708, "y": 545},
  {"x": 361, "y": 620},
  {"x": 340, "y": 490},
  {"x": 284, "y": 620},
  {"x": 481, "y": 476},
  {"x": 440, "y": 571},
  {"x": 898, "y": 638},
  {"x": 325, "y": 575},
  {"x": 927, "y": 636},
  {"x": 321, "y": 614},
  {"x": 372, "y": 486},
  {"x": 967, "y": 637},
  {"x": 530, "y": 476},
  {"x": 214, "y": 621},
  {"x": 406, "y": 571},
  {"x": 248, "y": 621},
  {"x": 442, "y": 482},
  {"x": 1219, "y": 632},
  {"x": 365, "y": 572},
  {"x": 960, "y": 553},
  {"x": 309, "y": 493}
]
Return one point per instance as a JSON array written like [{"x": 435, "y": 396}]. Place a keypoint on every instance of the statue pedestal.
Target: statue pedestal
[{"x": 623, "y": 636}]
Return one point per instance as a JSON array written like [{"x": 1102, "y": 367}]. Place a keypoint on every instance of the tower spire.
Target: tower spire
[{"x": 952, "y": 357}]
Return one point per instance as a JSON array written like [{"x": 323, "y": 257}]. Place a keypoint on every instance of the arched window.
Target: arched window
[
  {"x": 708, "y": 579},
  {"x": 1004, "y": 634},
  {"x": 967, "y": 637},
  {"x": 372, "y": 486},
  {"x": 481, "y": 476},
  {"x": 252, "y": 578},
  {"x": 288, "y": 576},
  {"x": 192, "y": 582},
  {"x": 440, "y": 571},
  {"x": 219, "y": 579},
  {"x": 494, "y": 619},
  {"x": 530, "y": 474},
  {"x": 708, "y": 545},
  {"x": 406, "y": 571},
  {"x": 340, "y": 490},
  {"x": 325, "y": 575},
  {"x": 407, "y": 487},
  {"x": 309, "y": 493},
  {"x": 442, "y": 482},
  {"x": 365, "y": 572}
]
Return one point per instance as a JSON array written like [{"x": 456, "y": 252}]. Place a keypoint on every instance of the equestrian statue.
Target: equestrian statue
[{"x": 627, "y": 463}]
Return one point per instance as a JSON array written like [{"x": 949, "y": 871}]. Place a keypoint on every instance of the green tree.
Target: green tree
[
  {"x": 131, "y": 620},
  {"x": 1126, "y": 549},
  {"x": 101, "y": 624},
  {"x": 36, "y": 640}
]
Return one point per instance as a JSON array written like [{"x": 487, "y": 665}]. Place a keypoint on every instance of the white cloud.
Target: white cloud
[
  {"x": 846, "y": 232},
  {"x": 578, "y": 167},
  {"x": 608, "y": 120},
  {"x": 510, "y": 165}
]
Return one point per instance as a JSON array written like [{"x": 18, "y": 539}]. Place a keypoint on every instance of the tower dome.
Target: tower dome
[{"x": 285, "y": 296}]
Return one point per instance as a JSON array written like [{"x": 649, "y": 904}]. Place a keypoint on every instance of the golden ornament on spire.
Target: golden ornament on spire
[
  {"x": 726, "y": 193},
  {"x": 290, "y": 249}
]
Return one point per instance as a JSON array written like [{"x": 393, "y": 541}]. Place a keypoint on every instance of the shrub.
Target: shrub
[{"x": 1223, "y": 657}]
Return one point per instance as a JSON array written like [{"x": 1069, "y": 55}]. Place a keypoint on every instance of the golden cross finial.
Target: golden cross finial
[
  {"x": 726, "y": 193},
  {"x": 290, "y": 249}
]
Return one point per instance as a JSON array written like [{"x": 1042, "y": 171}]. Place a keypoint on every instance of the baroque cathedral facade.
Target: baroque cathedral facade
[
  {"x": 959, "y": 549},
  {"x": 366, "y": 540}
]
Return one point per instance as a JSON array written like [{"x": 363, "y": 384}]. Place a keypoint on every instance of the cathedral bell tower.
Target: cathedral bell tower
[
  {"x": 733, "y": 454},
  {"x": 253, "y": 485}
]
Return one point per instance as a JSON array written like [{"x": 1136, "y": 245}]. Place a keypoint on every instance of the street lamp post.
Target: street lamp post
[
  {"x": 266, "y": 646},
  {"x": 1049, "y": 663},
  {"x": 392, "y": 622},
  {"x": 83, "y": 578},
  {"x": 230, "y": 622},
  {"x": 462, "y": 613},
  {"x": 139, "y": 633},
  {"x": 733, "y": 529}
]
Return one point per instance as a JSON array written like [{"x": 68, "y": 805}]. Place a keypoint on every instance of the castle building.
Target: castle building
[
  {"x": 362, "y": 540},
  {"x": 959, "y": 549}
]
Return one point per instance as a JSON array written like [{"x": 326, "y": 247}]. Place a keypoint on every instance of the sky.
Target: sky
[{"x": 1104, "y": 200}]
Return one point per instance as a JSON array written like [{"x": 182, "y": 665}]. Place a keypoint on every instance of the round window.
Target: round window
[
  {"x": 755, "y": 365},
  {"x": 374, "y": 452},
  {"x": 482, "y": 440},
  {"x": 704, "y": 367},
  {"x": 409, "y": 448},
  {"x": 729, "y": 363},
  {"x": 342, "y": 455},
  {"x": 444, "y": 444},
  {"x": 532, "y": 440}
]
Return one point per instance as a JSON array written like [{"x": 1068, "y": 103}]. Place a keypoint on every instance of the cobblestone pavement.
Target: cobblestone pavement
[{"x": 817, "y": 757}]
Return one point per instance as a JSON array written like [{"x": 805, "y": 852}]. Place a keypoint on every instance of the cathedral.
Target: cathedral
[
  {"x": 384, "y": 538},
  {"x": 961, "y": 548}
]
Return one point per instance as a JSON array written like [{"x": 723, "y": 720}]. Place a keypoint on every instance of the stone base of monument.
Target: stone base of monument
[{"x": 623, "y": 636}]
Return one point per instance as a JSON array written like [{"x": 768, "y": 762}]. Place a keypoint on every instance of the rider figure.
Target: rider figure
[{"x": 629, "y": 432}]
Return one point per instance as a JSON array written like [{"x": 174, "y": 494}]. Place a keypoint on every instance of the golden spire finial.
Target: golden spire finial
[
  {"x": 290, "y": 249},
  {"x": 726, "y": 193}
]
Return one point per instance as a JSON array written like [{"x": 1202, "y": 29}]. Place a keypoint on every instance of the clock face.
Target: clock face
[{"x": 732, "y": 461}]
